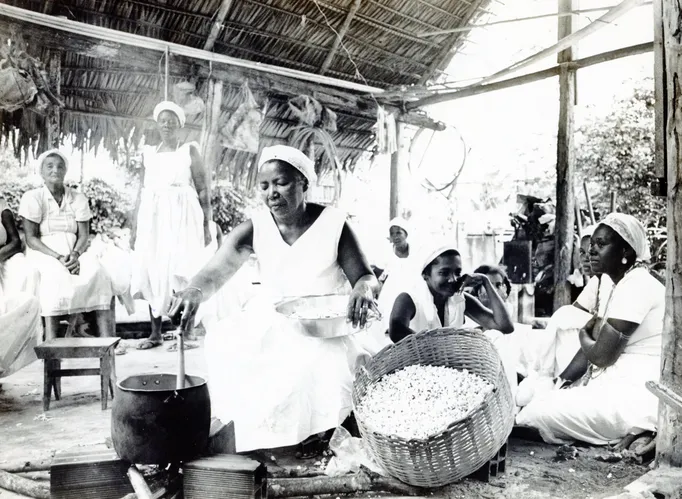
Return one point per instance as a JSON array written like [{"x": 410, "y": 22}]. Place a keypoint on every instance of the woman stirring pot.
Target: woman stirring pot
[{"x": 277, "y": 384}]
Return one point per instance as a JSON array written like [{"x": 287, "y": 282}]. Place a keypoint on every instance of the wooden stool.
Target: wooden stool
[{"x": 54, "y": 350}]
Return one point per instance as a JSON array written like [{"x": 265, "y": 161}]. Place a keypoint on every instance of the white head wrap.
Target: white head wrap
[
  {"x": 631, "y": 230},
  {"x": 291, "y": 156},
  {"x": 430, "y": 252},
  {"x": 173, "y": 108},
  {"x": 50, "y": 152},
  {"x": 588, "y": 231},
  {"x": 400, "y": 222}
]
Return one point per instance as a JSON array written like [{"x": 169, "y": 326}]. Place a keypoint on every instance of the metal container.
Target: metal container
[
  {"x": 152, "y": 422},
  {"x": 326, "y": 327}
]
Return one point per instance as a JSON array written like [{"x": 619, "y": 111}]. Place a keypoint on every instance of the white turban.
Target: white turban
[
  {"x": 588, "y": 231},
  {"x": 173, "y": 108},
  {"x": 429, "y": 252},
  {"x": 291, "y": 156},
  {"x": 399, "y": 222},
  {"x": 632, "y": 231},
  {"x": 50, "y": 152}
]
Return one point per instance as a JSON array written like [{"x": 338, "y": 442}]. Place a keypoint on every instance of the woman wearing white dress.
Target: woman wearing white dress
[
  {"x": 620, "y": 347},
  {"x": 56, "y": 221},
  {"x": 432, "y": 298},
  {"x": 277, "y": 384},
  {"x": 20, "y": 327},
  {"x": 173, "y": 212}
]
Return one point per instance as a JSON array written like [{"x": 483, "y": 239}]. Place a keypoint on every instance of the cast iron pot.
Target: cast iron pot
[{"x": 152, "y": 422}]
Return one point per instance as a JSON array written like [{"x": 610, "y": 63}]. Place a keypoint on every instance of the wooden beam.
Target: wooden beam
[
  {"x": 669, "y": 443},
  {"x": 665, "y": 395},
  {"x": 398, "y": 166},
  {"x": 569, "y": 40},
  {"x": 477, "y": 88},
  {"x": 54, "y": 78},
  {"x": 338, "y": 39},
  {"x": 210, "y": 144},
  {"x": 564, "y": 240},
  {"x": 113, "y": 39},
  {"x": 217, "y": 26}
]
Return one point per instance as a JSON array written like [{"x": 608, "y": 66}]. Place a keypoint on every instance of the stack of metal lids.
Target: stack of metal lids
[
  {"x": 93, "y": 472},
  {"x": 224, "y": 476}
]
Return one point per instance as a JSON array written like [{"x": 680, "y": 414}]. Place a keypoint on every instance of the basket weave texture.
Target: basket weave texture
[{"x": 465, "y": 445}]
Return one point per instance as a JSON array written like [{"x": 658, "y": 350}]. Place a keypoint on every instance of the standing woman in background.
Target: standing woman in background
[{"x": 172, "y": 216}]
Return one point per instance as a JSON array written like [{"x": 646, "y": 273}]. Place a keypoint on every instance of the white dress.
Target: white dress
[
  {"x": 169, "y": 248},
  {"x": 277, "y": 384},
  {"x": 20, "y": 326},
  {"x": 60, "y": 292},
  {"x": 615, "y": 401}
]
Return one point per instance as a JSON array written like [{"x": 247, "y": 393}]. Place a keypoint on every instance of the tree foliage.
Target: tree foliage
[{"x": 615, "y": 153}]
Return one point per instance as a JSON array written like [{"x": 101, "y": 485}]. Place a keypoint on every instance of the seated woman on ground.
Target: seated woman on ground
[
  {"x": 20, "y": 327},
  {"x": 56, "y": 220},
  {"x": 620, "y": 347},
  {"x": 432, "y": 298}
]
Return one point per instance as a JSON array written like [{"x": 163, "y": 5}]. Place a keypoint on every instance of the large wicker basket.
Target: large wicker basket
[{"x": 465, "y": 445}]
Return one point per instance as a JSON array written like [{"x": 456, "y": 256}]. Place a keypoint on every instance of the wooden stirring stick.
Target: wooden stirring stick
[{"x": 180, "y": 381}]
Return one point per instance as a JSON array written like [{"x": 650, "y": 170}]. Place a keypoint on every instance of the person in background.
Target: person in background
[
  {"x": 56, "y": 221},
  {"x": 172, "y": 216},
  {"x": 280, "y": 386},
  {"x": 20, "y": 326},
  {"x": 499, "y": 280},
  {"x": 620, "y": 347},
  {"x": 398, "y": 230},
  {"x": 432, "y": 297}
]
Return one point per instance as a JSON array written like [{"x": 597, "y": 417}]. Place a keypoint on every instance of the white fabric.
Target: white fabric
[
  {"x": 400, "y": 222},
  {"x": 277, "y": 384},
  {"x": 631, "y": 230},
  {"x": 173, "y": 108},
  {"x": 292, "y": 156},
  {"x": 615, "y": 401},
  {"x": 588, "y": 231},
  {"x": 169, "y": 248},
  {"x": 62, "y": 293},
  {"x": 20, "y": 331}
]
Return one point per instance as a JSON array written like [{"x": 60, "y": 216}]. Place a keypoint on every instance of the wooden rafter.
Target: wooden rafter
[
  {"x": 217, "y": 27},
  {"x": 338, "y": 39}
]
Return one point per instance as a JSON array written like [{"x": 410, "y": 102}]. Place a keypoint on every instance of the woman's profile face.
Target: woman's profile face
[
  {"x": 585, "y": 256},
  {"x": 53, "y": 169},
  {"x": 607, "y": 250},
  {"x": 282, "y": 187},
  {"x": 442, "y": 275},
  {"x": 168, "y": 124}
]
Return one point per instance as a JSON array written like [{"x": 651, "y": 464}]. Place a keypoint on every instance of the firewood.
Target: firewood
[{"x": 24, "y": 486}]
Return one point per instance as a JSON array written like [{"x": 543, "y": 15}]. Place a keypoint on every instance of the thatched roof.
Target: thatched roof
[{"x": 111, "y": 91}]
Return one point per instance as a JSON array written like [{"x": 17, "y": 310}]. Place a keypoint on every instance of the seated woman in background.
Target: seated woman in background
[
  {"x": 498, "y": 278},
  {"x": 620, "y": 347},
  {"x": 432, "y": 298},
  {"x": 20, "y": 328},
  {"x": 57, "y": 224}
]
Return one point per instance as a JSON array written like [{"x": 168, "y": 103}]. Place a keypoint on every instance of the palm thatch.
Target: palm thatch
[{"x": 109, "y": 94}]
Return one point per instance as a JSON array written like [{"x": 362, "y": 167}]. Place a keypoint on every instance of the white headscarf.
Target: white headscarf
[
  {"x": 430, "y": 251},
  {"x": 632, "y": 231},
  {"x": 291, "y": 156},
  {"x": 50, "y": 152},
  {"x": 588, "y": 231},
  {"x": 173, "y": 108},
  {"x": 400, "y": 222}
]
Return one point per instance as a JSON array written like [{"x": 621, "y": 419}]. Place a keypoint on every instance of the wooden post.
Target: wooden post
[
  {"x": 398, "y": 161},
  {"x": 565, "y": 201},
  {"x": 210, "y": 145},
  {"x": 53, "y": 121},
  {"x": 669, "y": 443}
]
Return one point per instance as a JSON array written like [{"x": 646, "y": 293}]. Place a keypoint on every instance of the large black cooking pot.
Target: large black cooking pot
[{"x": 152, "y": 422}]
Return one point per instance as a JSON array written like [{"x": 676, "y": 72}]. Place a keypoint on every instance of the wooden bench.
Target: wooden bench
[{"x": 54, "y": 350}]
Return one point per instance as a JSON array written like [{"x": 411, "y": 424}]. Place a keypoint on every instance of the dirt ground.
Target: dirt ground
[{"x": 26, "y": 434}]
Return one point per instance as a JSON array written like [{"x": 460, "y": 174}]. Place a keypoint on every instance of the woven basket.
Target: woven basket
[{"x": 465, "y": 445}]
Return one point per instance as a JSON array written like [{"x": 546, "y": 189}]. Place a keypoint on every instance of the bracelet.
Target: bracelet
[{"x": 198, "y": 289}]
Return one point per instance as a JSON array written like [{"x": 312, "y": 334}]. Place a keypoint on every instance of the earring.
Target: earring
[{"x": 624, "y": 261}]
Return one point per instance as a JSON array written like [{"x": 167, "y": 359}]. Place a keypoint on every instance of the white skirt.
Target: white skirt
[
  {"x": 20, "y": 331},
  {"x": 278, "y": 385}
]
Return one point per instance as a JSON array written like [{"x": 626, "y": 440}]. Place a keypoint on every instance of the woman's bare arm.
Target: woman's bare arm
[
  {"x": 13, "y": 244},
  {"x": 603, "y": 346},
  {"x": 402, "y": 313},
  {"x": 83, "y": 236},
  {"x": 202, "y": 183},
  {"x": 32, "y": 231}
]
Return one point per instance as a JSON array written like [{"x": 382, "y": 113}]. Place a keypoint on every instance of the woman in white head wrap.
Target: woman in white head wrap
[
  {"x": 276, "y": 383},
  {"x": 56, "y": 221},
  {"x": 172, "y": 218},
  {"x": 620, "y": 347}
]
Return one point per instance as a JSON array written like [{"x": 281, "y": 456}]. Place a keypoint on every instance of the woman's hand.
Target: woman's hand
[
  {"x": 184, "y": 306},
  {"x": 207, "y": 235},
  {"x": 473, "y": 281},
  {"x": 588, "y": 329},
  {"x": 360, "y": 302},
  {"x": 71, "y": 262}
]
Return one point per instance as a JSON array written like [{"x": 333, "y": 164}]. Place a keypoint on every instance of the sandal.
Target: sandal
[
  {"x": 173, "y": 347},
  {"x": 120, "y": 350},
  {"x": 147, "y": 344}
]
